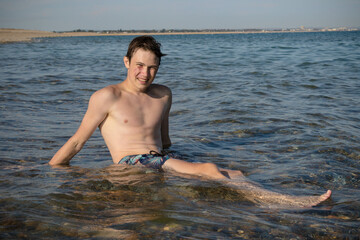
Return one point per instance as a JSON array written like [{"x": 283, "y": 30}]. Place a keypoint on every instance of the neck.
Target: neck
[{"x": 127, "y": 86}]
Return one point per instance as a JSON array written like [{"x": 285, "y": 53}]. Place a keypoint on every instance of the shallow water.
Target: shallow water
[{"x": 283, "y": 108}]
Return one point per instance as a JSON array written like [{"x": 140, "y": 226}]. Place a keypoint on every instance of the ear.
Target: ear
[{"x": 127, "y": 62}]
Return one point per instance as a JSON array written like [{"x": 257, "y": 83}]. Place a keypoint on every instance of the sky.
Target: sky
[{"x": 68, "y": 15}]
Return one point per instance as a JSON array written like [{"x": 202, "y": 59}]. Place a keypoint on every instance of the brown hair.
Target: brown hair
[{"x": 147, "y": 43}]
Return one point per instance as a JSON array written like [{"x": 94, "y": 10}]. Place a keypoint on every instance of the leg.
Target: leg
[
  {"x": 199, "y": 169},
  {"x": 237, "y": 180}
]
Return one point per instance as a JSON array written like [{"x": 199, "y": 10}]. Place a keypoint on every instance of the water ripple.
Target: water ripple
[{"x": 284, "y": 108}]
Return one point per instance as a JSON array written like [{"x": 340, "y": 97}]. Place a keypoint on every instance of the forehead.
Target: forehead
[{"x": 145, "y": 56}]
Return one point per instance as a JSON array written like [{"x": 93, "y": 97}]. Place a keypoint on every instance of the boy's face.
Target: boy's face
[{"x": 142, "y": 68}]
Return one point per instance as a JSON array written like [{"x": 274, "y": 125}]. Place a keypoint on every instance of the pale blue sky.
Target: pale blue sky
[{"x": 62, "y": 15}]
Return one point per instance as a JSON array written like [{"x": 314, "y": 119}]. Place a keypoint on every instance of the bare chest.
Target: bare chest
[{"x": 138, "y": 112}]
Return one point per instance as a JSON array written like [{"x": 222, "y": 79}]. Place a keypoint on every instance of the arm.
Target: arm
[
  {"x": 98, "y": 108},
  {"x": 165, "y": 138}
]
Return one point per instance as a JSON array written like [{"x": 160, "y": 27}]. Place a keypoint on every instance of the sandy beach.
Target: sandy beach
[
  {"x": 8, "y": 35},
  {"x": 21, "y": 35}
]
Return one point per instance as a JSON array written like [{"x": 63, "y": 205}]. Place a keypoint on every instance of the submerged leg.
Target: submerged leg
[
  {"x": 255, "y": 193},
  {"x": 252, "y": 191},
  {"x": 267, "y": 198}
]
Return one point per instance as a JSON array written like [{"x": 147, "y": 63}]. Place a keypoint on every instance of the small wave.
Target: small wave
[
  {"x": 16, "y": 93},
  {"x": 306, "y": 64},
  {"x": 252, "y": 132},
  {"x": 341, "y": 151},
  {"x": 226, "y": 120},
  {"x": 179, "y": 112},
  {"x": 309, "y": 86},
  {"x": 309, "y": 124},
  {"x": 320, "y": 116},
  {"x": 260, "y": 93},
  {"x": 87, "y": 90},
  {"x": 10, "y": 86},
  {"x": 65, "y": 92},
  {"x": 341, "y": 60},
  {"x": 257, "y": 73},
  {"x": 235, "y": 111},
  {"x": 284, "y": 47},
  {"x": 319, "y": 97}
]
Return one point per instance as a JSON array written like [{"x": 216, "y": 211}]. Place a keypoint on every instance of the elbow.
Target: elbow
[
  {"x": 78, "y": 146},
  {"x": 167, "y": 145},
  {"x": 75, "y": 145}
]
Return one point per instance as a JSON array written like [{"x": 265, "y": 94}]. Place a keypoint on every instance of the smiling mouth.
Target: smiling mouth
[{"x": 142, "y": 81}]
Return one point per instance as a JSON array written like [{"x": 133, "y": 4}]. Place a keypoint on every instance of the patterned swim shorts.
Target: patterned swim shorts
[{"x": 151, "y": 160}]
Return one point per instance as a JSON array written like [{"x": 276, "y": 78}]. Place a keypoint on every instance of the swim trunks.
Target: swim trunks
[{"x": 151, "y": 160}]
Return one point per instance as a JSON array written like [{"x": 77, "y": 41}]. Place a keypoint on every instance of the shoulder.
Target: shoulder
[
  {"x": 111, "y": 91},
  {"x": 106, "y": 95},
  {"x": 160, "y": 90}
]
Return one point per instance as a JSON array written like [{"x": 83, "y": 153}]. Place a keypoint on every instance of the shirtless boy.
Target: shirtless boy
[{"x": 133, "y": 117}]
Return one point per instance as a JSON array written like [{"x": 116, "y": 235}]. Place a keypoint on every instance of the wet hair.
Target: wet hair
[{"x": 147, "y": 43}]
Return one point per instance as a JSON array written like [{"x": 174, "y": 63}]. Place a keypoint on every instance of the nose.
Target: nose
[{"x": 145, "y": 71}]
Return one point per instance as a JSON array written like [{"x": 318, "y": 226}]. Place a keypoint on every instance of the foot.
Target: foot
[{"x": 313, "y": 201}]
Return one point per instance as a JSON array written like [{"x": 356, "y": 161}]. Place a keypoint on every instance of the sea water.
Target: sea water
[{"x": 284, "y": 108}]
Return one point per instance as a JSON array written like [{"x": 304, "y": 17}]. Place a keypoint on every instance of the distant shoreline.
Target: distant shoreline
[{"x": 8, "y": 35}]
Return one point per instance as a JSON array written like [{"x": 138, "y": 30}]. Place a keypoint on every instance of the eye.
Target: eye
[{"x": 154, "y": 68}]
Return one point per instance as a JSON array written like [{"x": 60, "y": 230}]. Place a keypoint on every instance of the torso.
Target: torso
[{"x": 133, "y": 123}]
